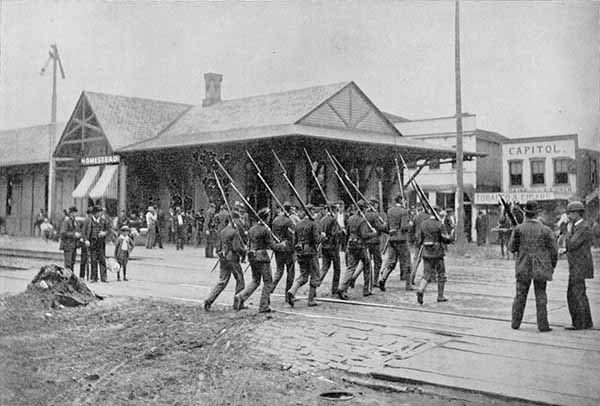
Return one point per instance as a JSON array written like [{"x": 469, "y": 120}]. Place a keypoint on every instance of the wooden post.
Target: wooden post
[{"x": 460, "y": 235}]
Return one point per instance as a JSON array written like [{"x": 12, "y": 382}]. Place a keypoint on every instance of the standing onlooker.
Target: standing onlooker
[
  {"x": 537, "y": 255},
  {"x": 341, "y": 220},
  {"x": 581, "y": 266},
  {"x": 96, "y": 237},
  {"x": 199, "y": 222},
  {"x": 39, "y": 219},
  {"x": 504, "y": 230},
  {"x": 160, "y": 219},
  {"x": 481, "y": 227},
  {"x": 151, "y": 227},
  {"x": 171, "y": 226},
  {"x": 210, "y": 230},
  {"x": 69, "y": 237},
  {"x": 123, "y": 247},
  {"x": 84, "y": 264},
  {"x": 180, "y": 228}
]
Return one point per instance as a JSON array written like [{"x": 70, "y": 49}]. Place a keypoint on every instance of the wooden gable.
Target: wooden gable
[
  {"x": 83, "y": 134},
  {"x": 349, "y": 109}
]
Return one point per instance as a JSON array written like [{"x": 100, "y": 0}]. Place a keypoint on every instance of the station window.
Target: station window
[
  {"x": 537, "y": 171},
  {"x": 561, "y": 171},
  {"x": 515, "y": 170}
]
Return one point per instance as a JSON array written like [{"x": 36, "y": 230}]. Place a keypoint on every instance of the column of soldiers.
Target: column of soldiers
[{"x": 317, "y": 232}]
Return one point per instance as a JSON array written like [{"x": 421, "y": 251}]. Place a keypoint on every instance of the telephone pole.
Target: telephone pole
[
  {"x": 460, "y": 215},
  {"x": 56, "y": 62}
]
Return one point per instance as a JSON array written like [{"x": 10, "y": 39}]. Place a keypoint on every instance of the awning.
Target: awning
[
  {"x": 106, "y": 185},
  {"x": 86, "y": 182}
]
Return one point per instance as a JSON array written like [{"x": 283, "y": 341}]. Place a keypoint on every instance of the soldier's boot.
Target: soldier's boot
[
  {"x": 118, "y": 276},
  {"x": 124, "y": 276},
  {"x": 441, "y": 297},
  {"x": 381, "y": 284},
  {"x": 289, "y": 295},
  {"x": 312, "y": 294},
  {"x": 421, "y": 291}
]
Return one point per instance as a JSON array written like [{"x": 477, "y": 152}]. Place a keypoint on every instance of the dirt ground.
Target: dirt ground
[{"x": 141, "y": 351}]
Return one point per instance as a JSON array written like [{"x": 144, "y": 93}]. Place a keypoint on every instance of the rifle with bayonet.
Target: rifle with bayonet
[
  {"x": 314, "y": 175},
  {"x": 507, "y": 211},
  {"x": 398, "y": 173},
  {"x": 259, "y": 173},
  {"x": 285, "y": 176},
  {"x": 422, "y": 197}
]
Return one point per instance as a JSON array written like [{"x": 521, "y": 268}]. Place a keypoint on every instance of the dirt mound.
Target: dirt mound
[{"x": 56, "y": 285}]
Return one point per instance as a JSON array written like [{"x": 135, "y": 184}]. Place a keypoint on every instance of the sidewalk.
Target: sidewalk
[{"x": 465, "y": 343}]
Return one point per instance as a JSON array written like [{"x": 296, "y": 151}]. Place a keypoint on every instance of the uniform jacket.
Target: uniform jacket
[
  {"x": 377, "y": 224},
  {"x": 398, "y": 223},
  {"x": 260, "y": 241},
  {"x": 419, "y": 218},
  {"x": 332, "y": 230},
  {"x": 432, "y": 237},
  {"x": 307, "y": 237},
  {"x": 579, "y": 253},
  {"x": 358, "y": 232},
  {"x": 231, "y": 245},
  {"x": 536, "y": 248},
  {"x": 68, "y": 228},
  {"x": 283, "y": 228},
  {"x": 209, "y": 224},
  {"x": 93, "y": 229},
  {"x": 221, "y": 220}
]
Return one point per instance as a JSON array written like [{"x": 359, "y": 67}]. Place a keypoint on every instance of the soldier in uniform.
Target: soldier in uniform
[
  {"x": 537, "y": 255},
  {"x": 330, "y": 247},
  {"x": 284, "y": 228},
  {"x": 96, "y": 237},
  {"x": 69, "y": 237},
  {"x": 399, "y": 225},
  {"x": 581, "y": 266},
  {"x": 231, "y": 251},
  {"x": 210, "y": 230},
  {"x": 260, "y": 240},
  {"x": 307, "y": 239},
  {"x": 373, "y": 243},
  {"x": 356, "y": 252},
  {"x": 432, "y": 237}
]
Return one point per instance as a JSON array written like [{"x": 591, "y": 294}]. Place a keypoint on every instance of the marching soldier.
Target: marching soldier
[
  {"x": 373, "y": 243},
  {"x": 260, "y": 240},
  {"x": 69, "y": 237},
  {"x": 358, "y": 233},
  {"x": 537, "y": 255},
  {"x": 399, "y": 225},
  {"x": 307, "y": 239},
  {"x": 432, "y": 237},
  {"x": 231, "y": 251},
  {"x": 330, "y": 247},
  {"x": 283, "y": 228}
]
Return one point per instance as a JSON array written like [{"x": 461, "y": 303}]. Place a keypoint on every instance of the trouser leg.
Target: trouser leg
[
  {"x": 519, "y": 302},
  {"x": 305, "y": 265},
  {"x": 335, "y": 281},
  {"x": 238, "y": 275},
  {"x": 541, "y": 301},
  {"x": 68, "y": 257},
  {"x": 367, "y": 274},
  {"x": 94, "y": 264},
  {"x": 376, "y": 258},
  {"x": 253, "y": 285},
  {"x": 579, "y": 306},
  {"x": 265, "y": 296},
  {"x": 352, "y": 260},
  {"x": 290, "y": 272},
  {"x": 84, "y": 262},
  {"x": 390, "y": 262},
  {"x": 225, "y": 269},
  {"x": 315, "y": 281},
  {"x": 280, "y": 262},
  {"x": 102, "y": 262},
  {"x": 325, "y": 264}
]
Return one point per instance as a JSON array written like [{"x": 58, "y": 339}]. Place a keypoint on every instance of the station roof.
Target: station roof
[{"x": 29, "y": 145}]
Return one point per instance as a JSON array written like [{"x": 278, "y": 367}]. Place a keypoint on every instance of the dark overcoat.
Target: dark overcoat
[
  {"x": 537, "y": 251},
  {"x": 579, "y": 252},
  {"x": 68, "y": 228}
]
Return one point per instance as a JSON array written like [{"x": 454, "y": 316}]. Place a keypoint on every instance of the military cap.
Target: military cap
[
  {"x": 373, "y": 199},
  {"x": 575, "y": 206},
  {"x": 125, "y": 228},
  {"x": 73, "y": 209},
  {"x": 361, "y": 203}
]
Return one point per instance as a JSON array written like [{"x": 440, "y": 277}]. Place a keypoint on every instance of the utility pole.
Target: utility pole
[
  {"x": 460, "y": 215},
  {"x": 56, "y": 62}
]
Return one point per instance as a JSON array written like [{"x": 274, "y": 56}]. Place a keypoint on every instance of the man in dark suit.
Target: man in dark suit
[
  {"x": 537, "y": 254},
  {"x": 581, "y": 266},
  {"x": 85, "y": 246},
  {"x": 69, "y": 237},
  {"x": 96, "y": 237}
]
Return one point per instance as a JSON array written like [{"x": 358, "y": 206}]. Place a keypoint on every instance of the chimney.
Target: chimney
[{"x": 212, "y": 83}]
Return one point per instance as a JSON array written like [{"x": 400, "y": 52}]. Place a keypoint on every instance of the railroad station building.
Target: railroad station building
[{"x": 127, "y": 153}]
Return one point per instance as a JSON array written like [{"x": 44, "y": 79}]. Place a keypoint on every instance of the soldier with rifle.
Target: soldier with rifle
[
  {"x": 359, "y": 232},
  {"x": 231, "y": 250},
  {"x": 284, "y": 229},
  {"x": 373, "y": 244},
  {"x": 330, "y": 247},
  {"x": 399, "y": 225},
  {"x": 307, "y": 239}
]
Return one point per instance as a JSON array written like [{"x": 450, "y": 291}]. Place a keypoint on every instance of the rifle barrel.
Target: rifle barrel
[
  {"x": 308, "y": 213},
  {"x": 259, "y": 173}
]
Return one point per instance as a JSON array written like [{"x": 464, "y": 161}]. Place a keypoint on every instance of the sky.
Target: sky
[{"x": 529, "y": 68}]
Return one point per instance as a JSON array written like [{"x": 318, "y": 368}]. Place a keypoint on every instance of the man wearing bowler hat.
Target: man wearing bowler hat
[
  {"x": 581, "y": 266},
  {"x": 537, "y": 254},
  {"x": 96, "y": 236},
  {"x": 69, "y": 237}
]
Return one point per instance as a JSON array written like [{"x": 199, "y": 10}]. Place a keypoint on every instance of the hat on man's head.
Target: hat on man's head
[
  {"x": 125, "y": 228},
  {"x": 575, "y": 206},
  {"x": 361, "y": 203},
  {"x": 73, "y": 209},
  {"x": 373, "y": 199},
  {"x": 96, "y": 209},
  {"x": 531, "y": 207},
  {"x": 211, "y": 205},
  {"x": 287, "y": 204}
]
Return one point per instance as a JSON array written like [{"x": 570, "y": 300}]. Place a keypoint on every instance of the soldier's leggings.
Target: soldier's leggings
[
  {"x": 285, "y": 262},
  {"x": 226, "y": 269},
  {"x": 331, "y": 256},
  {"x": 353, "y": 259},
  {"x": 398, "y": 251},
  {"x": 260, "y": 270}
]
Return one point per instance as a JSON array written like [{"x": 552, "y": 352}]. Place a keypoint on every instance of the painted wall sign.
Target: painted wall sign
[
  {"x": 540, "y": 149},
  {"x": 100, "y": 160},
  {"x": 522, "y": 197}
]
